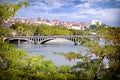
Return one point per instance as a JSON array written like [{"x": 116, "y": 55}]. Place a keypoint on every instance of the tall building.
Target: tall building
[
  {"x": 39, "y": 19},
  {"x": 96, "y": 21}
]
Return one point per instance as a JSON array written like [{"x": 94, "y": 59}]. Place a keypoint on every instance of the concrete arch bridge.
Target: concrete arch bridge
[{"x": 44, "y": 39}]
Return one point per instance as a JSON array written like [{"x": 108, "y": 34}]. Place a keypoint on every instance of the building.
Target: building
[
  {"x": 68, "y": 25},
  {"x": 93, "y": 22},
  {"x": 80, "y": 26},
  {"x": 6, "y": 24}
]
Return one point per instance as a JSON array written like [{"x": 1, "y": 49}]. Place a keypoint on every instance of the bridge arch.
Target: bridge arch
[
  {"x": 19, "y": 40},
  {"x": 45, "y": 40},
  {"x": 49, "y": 39}
]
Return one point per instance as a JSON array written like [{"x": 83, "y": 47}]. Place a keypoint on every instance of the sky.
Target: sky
[{"x": 107, "y": 11}]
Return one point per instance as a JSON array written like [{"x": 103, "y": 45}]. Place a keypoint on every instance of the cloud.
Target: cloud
[
  {"x": 84, "y": 5},
  {"x": 110, "y": 16},
  {"x": 92, "y": 1},
  {"x": 48, "y": 4},
  {"x": 2, "y": 1}
]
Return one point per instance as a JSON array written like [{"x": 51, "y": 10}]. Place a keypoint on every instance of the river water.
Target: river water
[{"x": 50, "y": 47}]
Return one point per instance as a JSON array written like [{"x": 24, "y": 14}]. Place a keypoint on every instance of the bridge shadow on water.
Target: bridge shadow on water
[{"x": 15, "y": 41}]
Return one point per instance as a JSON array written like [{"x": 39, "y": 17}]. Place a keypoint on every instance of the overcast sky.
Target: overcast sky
[{"x": 108, "y": 11}]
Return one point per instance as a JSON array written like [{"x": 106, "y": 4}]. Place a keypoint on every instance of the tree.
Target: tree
[
  {"x": 8, "y": 10},
  {"x": 42, "y": 29},
  {"x": 95, "y": 68},
  {"x": 3, "y": 32},
  {"x": 16, "y": 64},
  {"x": 12, "y": 61}
]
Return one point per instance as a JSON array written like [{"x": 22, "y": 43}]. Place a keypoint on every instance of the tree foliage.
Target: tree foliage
[
  {"x": 16, "y": 64},
  {"x": 8, "y": 10},
  {"x": 80, "y": 32},
  {"x": 42, "y": 29},
  {"x": 93, "y": 65},
  {"x": 95, "y": 68}
]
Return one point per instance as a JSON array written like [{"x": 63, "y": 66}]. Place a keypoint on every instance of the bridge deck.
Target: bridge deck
[
  {"x": 42, "y": 39},
  {"x": 54, "y": 36}
]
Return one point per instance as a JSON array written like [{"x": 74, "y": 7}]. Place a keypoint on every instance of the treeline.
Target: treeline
[
  {"x": 22, "y": 29},
  {"x": 42, "y": 29},
  {"x": 79, "y": 32}
]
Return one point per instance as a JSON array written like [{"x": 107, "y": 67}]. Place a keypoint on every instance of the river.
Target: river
[
  {"x": 50, "y": 47},
  {"x": 58, "y": 45}
]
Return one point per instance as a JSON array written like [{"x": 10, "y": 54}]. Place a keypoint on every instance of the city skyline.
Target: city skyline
[{"x": 108, "y": 11}]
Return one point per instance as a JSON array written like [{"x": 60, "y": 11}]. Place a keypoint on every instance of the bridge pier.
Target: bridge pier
[
  {"x": 18, "y": 41},
  {"x": 74, "y": 40}
]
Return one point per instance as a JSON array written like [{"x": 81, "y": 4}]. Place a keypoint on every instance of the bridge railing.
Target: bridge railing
[{"x": 77, "y": 36}]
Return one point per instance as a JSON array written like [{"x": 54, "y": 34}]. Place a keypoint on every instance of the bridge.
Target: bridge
[{"x": 44, "y": 39}]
